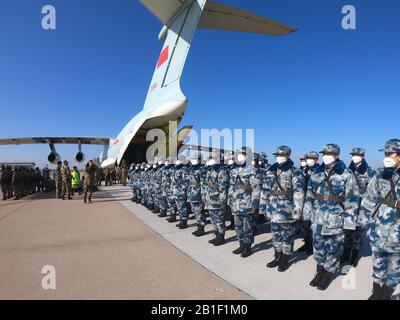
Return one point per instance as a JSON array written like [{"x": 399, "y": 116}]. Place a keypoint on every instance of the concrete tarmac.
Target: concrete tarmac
[{"x": 98, "y": 250}]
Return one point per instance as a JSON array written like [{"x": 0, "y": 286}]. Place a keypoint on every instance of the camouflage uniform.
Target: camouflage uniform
[
  {"x": 282, "y": 199},
  {"x": 5, "y": 182},
  {"x": 168, "y": 190},
  {"x": 244, "y": 199},
  {"x": 58, "y": 180},
  {"x": 89, "y": 183},
  {"x": 159, "y": 200},
  {"x": 305, "y": 227},
  {"x": 99, "y": 176},
  {"x": 196, "y": 177},
  {"x": 180, "y": 184},
  {"x": 17, "y": 183},
  {"x": 381, "y": 214},
  {"x": 216, "y": 197},
  {"x": 353, "y": 238},
  {"x": 107, "y": 177},
  {"x": 332, "y": 207},
  {"x": 66, "y": 181}
]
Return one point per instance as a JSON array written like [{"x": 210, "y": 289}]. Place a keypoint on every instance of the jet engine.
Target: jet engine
[
  {"x": 80, "y": 157},
  {"x": 54, "y": 157}
]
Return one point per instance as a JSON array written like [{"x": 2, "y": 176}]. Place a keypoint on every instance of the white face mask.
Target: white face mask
[
  {"x": 303, "y": 163},
  {"x": 389, "y": 162},
  {"x": 194, "y": 162},
  {"x": 241, "y": 158},
  {"x": 211, "y": 162},
  {"x": 154, "y": 166},
  {"x": 357, "y": 159},
  {"x": 178, "y": 162},
  {"x": 159, "y": 163},
  {"x": 310, "y": 162},
  {"x": 328, "y": 159},
  {"x": 230, "y": 162},
  {"x": 280, "y": 159}
]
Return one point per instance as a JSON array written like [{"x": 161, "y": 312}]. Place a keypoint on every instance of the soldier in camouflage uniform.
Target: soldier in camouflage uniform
[
  {"x": 381, "y": 213},
  {"x": 143, "y": 184},
  {"x": 38, "y": 180},
  {"x": 17, "y": 183},
  {"x": 99, "y": 175},
  {"x": 89, "y": 183},
  {"x": 180, "y": 184},
  {"x": 138, "y": 179},
  {"x": 196, "y": 177},
  {"x": 58, "y": 179},
  {"x": 311, "y": 159},
  {"x": 123, "y": 173},
  {"x": 107, "y": 177},
  {"x": 167, "y": 180},
  {"x": 5, "y": 181},
  {"x": 216, "y": 197},
  {"x": 229, "y": 162},
  {"x": 282, "y": 199},
  {"x": 159, "y": 201},
  {"x": 245, "y": 188},
  {"x": 166, "y": 188},
  {"x": 66, "y": 181},
  {"x": 362, "y": 176},
  {"x": 332, "y": 208},
  {"x": 150, "y": 185}
]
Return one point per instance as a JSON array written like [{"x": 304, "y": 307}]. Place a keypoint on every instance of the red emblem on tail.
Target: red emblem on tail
[{"x": 163, "y": 57}]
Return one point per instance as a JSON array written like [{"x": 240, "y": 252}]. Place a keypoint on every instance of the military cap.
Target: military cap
[
  {"x": 283, "y": 151},
  {"x": 244, "y": 150},
  {"x": 302, "y": 158},
  {"x": 262, "y": 156},
  {"x": 358, "y": 152},
  {"x": 312, "y": 155},
  {"x": 392, "y": 145},
  {"x": 331, "y": 148}
]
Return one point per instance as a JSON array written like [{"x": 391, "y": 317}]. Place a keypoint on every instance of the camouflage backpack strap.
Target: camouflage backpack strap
[
  {"x": 362, "y": 189},
  {"x": 391, "y": 199},
  {"x": 281, "y": 191},
  {"x": 332, "y": 196}
]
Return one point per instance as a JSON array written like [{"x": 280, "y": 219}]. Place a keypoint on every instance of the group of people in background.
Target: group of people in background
[
  {"x": 23, "y": 181},
  {"x": 69, "y": 181},
  {"x": 327, "y": 204}
]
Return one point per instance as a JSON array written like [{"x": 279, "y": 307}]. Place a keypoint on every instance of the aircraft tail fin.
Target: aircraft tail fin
[{"x": 181, "y": 19}]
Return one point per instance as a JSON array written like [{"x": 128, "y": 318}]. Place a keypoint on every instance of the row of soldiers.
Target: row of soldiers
[
  {"x": 331, "y": 204},
  {"x": 110, "y": 176},
  {"x": 22, "y": 181}
]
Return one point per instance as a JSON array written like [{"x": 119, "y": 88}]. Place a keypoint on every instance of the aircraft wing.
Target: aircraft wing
[
  {"x": 224, "y": 17},
  {"x": 56, "y": 140},
  {"x": 164, "y": 10}
]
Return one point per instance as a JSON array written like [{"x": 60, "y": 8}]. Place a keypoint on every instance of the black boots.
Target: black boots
[
  {"x": 150, "y": 206},
  {"x": 232, "y": 225},
  {"x": 324, "y": 280},
  {"x": 218, "y": 240},
  {"x": 156, "y": 210},
  {"x": 163, "y": 213},
  {"x": 133, "y": 199},
  {"x": 381, "y": 293},
  {"x": 274, "y": 263},
  {"x": 84, "y": 199},
  {"x": 283, "y": 263},
  {"x": 376, "y": 291},
  {"x": 346, "y": 255},
  {"x": 238, "y": 250},
  {"x": 351, "y": 256},
  {"x": 386, "y": 293},
  {"x": 246, "y": 251},
  {"x": 172, "y": 218},
  {"x": 199, "y": 232},
  {"x": 90, "y": 198},
  {"x": 182, "y": 224},
  {"x": 307, "y": 247},
  {"x": 315, "y": 282},
  {"x": 354, "y": 257}
]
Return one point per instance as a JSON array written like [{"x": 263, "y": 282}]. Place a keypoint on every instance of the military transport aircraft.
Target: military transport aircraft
[{"x": 165, "y": 100}]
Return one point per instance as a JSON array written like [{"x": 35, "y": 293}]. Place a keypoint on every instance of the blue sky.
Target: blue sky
[{"x": 89, "y": 77}]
